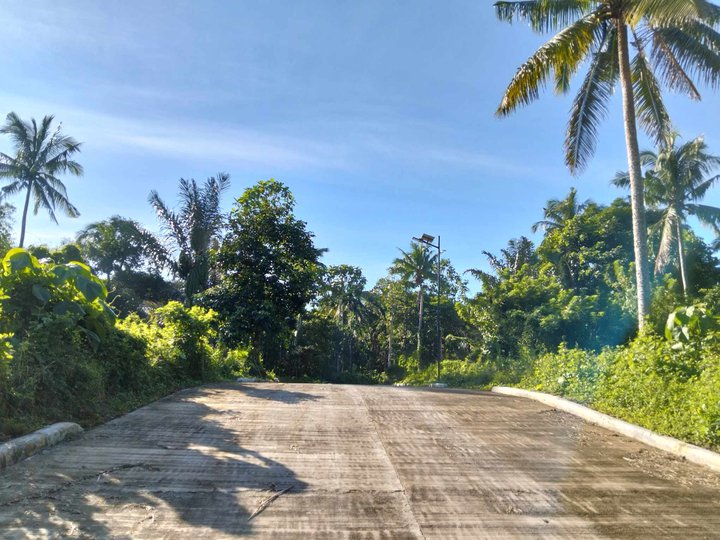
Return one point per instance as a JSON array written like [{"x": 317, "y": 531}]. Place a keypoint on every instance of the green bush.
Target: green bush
[
  {"x": 30, "y": 290},
  {"x": 573, "y": 373},
  {"x": 673, "y": 391},
  {"x": 232, "y": 363},
  {"x": 178, "y": 339},
  {"x": 54, "y": 371},
  {"x": 63, "y": 355},
  {"x": 182, "y": 342},
  {"x": 669, "y": 386},
  {"x": 453, "y": 373}
]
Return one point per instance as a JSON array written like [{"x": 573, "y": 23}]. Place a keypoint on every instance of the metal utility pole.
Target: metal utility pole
[{"x": 428, "y": 240}]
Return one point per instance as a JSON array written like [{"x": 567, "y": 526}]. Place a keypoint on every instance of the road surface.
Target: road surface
[{"x": 327, "y": 461}]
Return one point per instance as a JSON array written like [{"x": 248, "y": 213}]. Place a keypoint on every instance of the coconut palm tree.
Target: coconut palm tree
[
  {"x": 558, "y": 212},
  {"x": 676, "y": 179},
  {"x": 41, "y": 154},
  {"x": 673, "y": 42},
  {"x": 193, "y": 229},
  {"x": 416, "y": 267}
]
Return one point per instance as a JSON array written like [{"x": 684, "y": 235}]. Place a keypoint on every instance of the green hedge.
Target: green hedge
[{"x": 660, "y": 384}]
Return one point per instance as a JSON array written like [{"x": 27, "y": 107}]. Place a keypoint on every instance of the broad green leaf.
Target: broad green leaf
[
  {"x": 89, "y": 288},
  {"x": 66, "y": 306},
  {"x": 41, "y": 293},
  {"x": 92, "y": 337},
  {"x": 18, "y": 259},
  {"x": 108, "y": 311},
  {"x": 60, "y": 274},
  {"x": 83, "y": 269}
]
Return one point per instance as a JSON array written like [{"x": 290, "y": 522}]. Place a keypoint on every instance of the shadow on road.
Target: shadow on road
[
  {"x": 277, "y": 394},
  {"x": 173, "y": 464}
]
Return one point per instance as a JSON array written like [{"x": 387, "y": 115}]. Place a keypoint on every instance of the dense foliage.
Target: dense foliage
[
  {"x": 64, "y": 356},
  {"x": 652, "y": 382},
  {"x": 268, "y": 268}
]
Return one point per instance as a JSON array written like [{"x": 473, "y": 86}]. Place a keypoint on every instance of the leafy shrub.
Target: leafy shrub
[
  {"x": 652, "y": 381},
  {"x": 63, "y": 356},
  {"x": 31, "y": 290},
  {"x": 453, "y": 373},
  {"x": 231, "y": 363},
  {"x": 669, "y": 390},
  {"x": 690, "y": 323},
  {"x": 54, "y": 370},
  {"x": 179, "y": 339},
  {"x": 183, "y": 342},
  {"x": 573, "y": 373}
]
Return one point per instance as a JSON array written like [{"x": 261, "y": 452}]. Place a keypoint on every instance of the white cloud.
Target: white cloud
[{"x": 186, "y": 139}]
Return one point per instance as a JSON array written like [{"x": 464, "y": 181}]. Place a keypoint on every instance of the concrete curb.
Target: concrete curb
[
  {"x": 23, "y": 447},
  {"x": 693, "y": 453}
]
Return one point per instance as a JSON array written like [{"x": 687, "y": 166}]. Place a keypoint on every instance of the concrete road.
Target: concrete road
[{"x": 323, "y": 461}]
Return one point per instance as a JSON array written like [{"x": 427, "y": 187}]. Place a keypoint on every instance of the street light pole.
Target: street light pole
[
  {"x": 439, "y": 336},
  {"x": 428, "y": 240}
]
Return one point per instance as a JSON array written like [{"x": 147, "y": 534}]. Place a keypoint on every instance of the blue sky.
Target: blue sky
[{"x": 378, "y": 115}]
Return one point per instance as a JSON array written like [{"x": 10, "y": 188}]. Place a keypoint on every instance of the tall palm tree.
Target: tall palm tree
[
  {"x": 416, "y": 267},
  {"x": 193, "y": 228},
  {"x": 558, "y": 212},
  {"x": 40, "y": 156},
  {"x": 672, "y": 41},
  {"x": 676, "y": 178}
]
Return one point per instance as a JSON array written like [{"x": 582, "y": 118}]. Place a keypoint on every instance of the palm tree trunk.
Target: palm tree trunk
[
  {"x": 390, "y": 342},
  {"x": 681, "y": 256},
  {"x": 349, "y": 339},
  {"x": 24, "y": 216},
  {"x": 637, "y": 197},
  {"x": 421, "y": 297}
]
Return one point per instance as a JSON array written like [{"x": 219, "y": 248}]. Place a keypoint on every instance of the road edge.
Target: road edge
[
  {"x": 16, "y": 450},
  {"x": 695, "y": 454}
]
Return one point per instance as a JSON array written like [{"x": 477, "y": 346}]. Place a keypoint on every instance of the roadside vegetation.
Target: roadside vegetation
[{"x": 120, "y": 316}]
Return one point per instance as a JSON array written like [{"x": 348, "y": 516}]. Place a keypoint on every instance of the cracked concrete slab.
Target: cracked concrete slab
[{"x": 353, "y": 462}]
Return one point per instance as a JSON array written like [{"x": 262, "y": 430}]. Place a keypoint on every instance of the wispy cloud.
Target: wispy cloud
[
  {"x": 188, "y": 139},
  {"x": 479, "y": 160},
  {"x": 228, "y": 145}
]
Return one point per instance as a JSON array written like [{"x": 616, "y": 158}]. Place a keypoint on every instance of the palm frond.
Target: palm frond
[
  {"x": 563, "y": 52},
  {"x": 669, "y": 69},
  {"x": 169, "y": 220},
  {"x": 707, "y": 215},
  {"x": 543, "y": 225},
  {"x": 671, "y": 11},
  {"x": 19, "y": 132},
  {"x": 488, "y": 280},
  {"x": 590, "y": 105},
  {"x": 693, "y": 54},
  {"x": 667, "y": 240},
  {"x": 650, "y": 109},
  {"x": 41, "y": 200},
  {"x": 543, "y": 15},
  {"x": 701, "y": 189},
  {"x": 621, "y": 180},
  {"x": 60, "y": 200}
]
